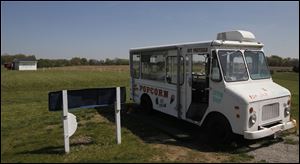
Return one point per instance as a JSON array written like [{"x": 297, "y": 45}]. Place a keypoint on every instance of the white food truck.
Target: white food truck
[{"x": 224, "y": 85}]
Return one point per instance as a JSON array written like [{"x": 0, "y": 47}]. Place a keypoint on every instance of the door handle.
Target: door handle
[{"x": 207, "y": 89}]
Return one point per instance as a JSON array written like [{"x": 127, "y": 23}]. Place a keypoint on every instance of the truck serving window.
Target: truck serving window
[
  {"x": 153, "y": 65},
  {"x": 172, "y": 70},
  {"x": 233, "y": 65},
  {"x": 136, "y": 66},
  {"x": 257, "y": 65}
]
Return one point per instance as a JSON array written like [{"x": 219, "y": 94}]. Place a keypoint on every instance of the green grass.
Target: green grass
[
  {"x": 30, "y": 133},
  {"x": 290, "y": 80}
]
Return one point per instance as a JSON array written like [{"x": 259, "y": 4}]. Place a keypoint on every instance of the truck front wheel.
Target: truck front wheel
[{"x": 218, "y": 130}]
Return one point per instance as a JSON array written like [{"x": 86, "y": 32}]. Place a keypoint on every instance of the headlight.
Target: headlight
[
  {"x": 287, "y": 110},
  {"x": 252, "y": 119}
]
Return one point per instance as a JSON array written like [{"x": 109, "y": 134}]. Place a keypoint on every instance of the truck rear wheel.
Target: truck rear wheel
[{"x": 146, "y": 104}]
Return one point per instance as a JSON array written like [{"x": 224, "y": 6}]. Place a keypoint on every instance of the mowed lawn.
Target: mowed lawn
[
  {"x": 30, "y": 133},
  {"x": 290, "y": 81}
]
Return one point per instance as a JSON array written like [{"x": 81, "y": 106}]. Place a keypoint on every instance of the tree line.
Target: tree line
[
  {"x": 274, "y": 60},
  {"x": 75, "y": 61},
  {"x": 277, "y": 61}
]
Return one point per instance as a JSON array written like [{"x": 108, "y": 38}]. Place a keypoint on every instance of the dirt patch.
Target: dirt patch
[
  {"x": 95, "y": 118},
  {"x": 51, "y": 127},
  {"x": 82, "y": 140},
  {"x": 175, "y": 153},
  {"x": 286, "y": 151}
]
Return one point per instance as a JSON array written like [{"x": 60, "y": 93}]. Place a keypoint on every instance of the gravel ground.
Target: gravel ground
[{"x": 286, "y": 151}]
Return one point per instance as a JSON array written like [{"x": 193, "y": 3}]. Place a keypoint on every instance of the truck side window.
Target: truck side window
[
  {"x": 153, "y": 65},
  {"x": 172, "y": 70},
  {"x": 215, "y": 69},
  {"x": 136, "y": 66}
]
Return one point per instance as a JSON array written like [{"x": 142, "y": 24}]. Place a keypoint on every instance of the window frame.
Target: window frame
[
  {"x": 218, "y": 65},
  {"x": 265, "y": 62},
  {"x": 141, "y": 64},
  {"x": 139, "y": 73},
  {"x": 183, "y": 72},
  {"x": 245, "y": 64}
]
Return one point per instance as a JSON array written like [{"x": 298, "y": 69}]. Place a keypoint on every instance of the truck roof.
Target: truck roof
[
  {"x": 170, "y": 46},
  {"x": 199, "y": 44},
  {"x": 238, "y": 38}
]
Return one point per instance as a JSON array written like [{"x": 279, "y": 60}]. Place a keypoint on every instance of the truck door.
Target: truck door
[
  {"x": 198, "y": 85},
  {"x": 216, "y": 86}
]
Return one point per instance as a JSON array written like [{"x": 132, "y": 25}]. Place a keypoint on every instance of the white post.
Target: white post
[
  {"x": 65, "y": 120},
  {"x": 117, "y": 115}
]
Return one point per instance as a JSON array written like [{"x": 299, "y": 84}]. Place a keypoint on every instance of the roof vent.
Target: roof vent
[{"x": 239, "y": 35}]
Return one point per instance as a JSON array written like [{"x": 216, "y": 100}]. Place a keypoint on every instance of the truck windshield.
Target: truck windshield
[
  {"x": 257, "y": 65},
  {"x": 233, "y": 65}
]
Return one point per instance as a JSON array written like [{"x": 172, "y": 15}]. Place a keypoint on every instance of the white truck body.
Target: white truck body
[{"x": 235, "y": 83}]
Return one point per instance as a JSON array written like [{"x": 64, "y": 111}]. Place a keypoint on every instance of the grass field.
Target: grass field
[{"x": 30, "y": 133}]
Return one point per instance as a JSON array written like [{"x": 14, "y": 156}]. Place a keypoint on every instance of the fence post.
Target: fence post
[
  {"x": 65, "y": 120},
  {"x": 117, "y": 115}
]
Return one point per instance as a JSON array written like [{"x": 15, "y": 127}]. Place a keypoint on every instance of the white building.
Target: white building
[{"x": 25, "y": 64}]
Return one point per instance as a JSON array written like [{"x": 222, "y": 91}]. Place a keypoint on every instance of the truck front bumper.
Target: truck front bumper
[{"x": 264, "y": 132}]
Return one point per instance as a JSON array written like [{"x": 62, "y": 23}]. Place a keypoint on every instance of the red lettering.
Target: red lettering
[
  {"x": 160, "y": 92},
  {"x": 155, "y": 91},
  {"x": 165, "y": 93},
  {"x": 151, "y": 90}
]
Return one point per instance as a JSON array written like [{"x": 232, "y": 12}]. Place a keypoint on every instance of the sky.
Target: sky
[{"x": 100, "y": 30}]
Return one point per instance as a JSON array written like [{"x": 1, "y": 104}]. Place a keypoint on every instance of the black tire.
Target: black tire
[
  {"x": 218, "y": 130},
  {"x": 146, "y": 104}
]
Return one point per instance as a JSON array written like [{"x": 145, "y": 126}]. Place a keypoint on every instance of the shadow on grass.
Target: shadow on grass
[
  {"x": 60, "y": 150},
  {"x": 161, "y": 128}
]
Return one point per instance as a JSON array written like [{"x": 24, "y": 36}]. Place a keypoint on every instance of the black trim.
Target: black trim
[{"x": 85, "y": 97}]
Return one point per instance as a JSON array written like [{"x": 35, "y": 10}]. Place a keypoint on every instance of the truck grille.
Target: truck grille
[{"x": 270, "y": 111}]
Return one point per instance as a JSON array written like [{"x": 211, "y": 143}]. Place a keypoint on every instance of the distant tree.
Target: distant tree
[
  {"x": 6, "y": 58},
  {"x": 118, "y": 61},
  {"x": 285, "y": 62},
  {"x": 20, "y": 56},
  {"x": 108, "y": 61},
  {"x": 83, "y": 61},
  {"x": 274, "y": 60},
  {"x": 101, "y": 62},
  {"x": 60, "y": 62},
  {"x": 294, "y": 62},
  {"x": 93, "y": 62},
  {"x": 75, "y": 61},
  {"x": 296, "y": 68},
  {"x": 44, "y": 63}
]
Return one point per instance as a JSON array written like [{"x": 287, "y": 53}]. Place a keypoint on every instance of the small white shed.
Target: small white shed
[{"x": 25, "y": 64}]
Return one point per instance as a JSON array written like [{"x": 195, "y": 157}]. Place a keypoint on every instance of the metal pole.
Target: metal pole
[
  {"x": 65, "y": 120},
  {"x": 117, "y": 115}
]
